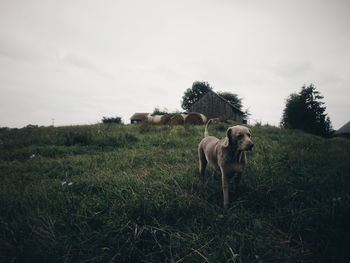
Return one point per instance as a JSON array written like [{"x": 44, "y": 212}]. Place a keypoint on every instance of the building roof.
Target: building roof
[
  {"x": 344, "y": 129},
  {"x": 139, "y": 116},
  {"x": 221, "y": 98},
  {"x": 233, "y": 106}
]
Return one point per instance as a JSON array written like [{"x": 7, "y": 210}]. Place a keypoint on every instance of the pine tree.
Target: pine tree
[{"x": 305, "y": 111}]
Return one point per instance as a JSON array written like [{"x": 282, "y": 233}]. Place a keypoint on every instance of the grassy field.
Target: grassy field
[{"x": 114, "y": 193}]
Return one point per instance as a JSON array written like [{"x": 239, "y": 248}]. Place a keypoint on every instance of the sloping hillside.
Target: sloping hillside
[{"x": 113, "y": 193}]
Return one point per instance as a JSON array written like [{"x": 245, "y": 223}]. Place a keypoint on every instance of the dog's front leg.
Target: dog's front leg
[{"x": 225, "y": 189}]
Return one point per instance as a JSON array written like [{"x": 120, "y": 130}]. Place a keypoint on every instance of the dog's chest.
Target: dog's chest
[
  {"x": 237, "y": 167},
  {"x": 236, "y": 164}
]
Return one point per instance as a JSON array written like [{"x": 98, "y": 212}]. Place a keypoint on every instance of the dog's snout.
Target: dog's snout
[{"x": 251, "y": 146}]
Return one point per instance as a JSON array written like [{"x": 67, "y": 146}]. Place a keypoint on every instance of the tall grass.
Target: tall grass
[{"x": 114, "y": 193}]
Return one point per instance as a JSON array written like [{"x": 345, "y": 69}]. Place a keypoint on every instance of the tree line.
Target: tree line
[{"x": 304, "y": 110}]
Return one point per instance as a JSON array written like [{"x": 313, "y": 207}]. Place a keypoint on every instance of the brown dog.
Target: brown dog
[{"x": 226, "y": 156}]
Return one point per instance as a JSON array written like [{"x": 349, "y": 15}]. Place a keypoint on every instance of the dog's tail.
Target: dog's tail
[{"x": 206, "y": 133}]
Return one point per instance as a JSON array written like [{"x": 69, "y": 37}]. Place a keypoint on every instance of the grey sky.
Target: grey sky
[{"x": 76, "y": 61}]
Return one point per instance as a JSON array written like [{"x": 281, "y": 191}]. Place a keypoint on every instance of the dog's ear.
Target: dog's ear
[{"x": 228, "y": 138}]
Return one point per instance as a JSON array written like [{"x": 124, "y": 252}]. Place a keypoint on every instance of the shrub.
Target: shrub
[
  {"x": 115, "y": 141},
  {"x": 146, "y": 128},
  {"x": 82, "y": 137},
  {"x": 112, "y": 120},
  {"x": 158, "y": 111},
  {"x": 220, "y": 127},
  {"x": 31, "y": 126}
]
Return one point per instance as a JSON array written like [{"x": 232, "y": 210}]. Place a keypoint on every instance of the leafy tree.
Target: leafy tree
[
  {"x": 192, "y": 95},
  {"x": 31, "y": 126},
  {"x": 305, "y": 111},
  {"x": 158, "y": 111}
]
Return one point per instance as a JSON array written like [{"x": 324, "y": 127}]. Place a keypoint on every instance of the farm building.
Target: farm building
[
  {"x": 214, "y": 106},
  {"x": 344, "y": 131},
  {"x": 139, "y": 117}
]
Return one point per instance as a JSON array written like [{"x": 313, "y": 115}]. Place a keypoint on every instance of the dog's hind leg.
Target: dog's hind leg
[
  {"x": 202, "y": 162},
  {"x": 225, "y": 190}
]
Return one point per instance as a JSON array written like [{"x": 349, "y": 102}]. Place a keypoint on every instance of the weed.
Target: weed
[
  {"x": 145, "y": 127},
  {"x": 77, "y": 137}
]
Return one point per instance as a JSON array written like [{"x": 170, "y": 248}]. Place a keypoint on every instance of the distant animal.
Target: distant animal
[{"x": 226, "y": 156}]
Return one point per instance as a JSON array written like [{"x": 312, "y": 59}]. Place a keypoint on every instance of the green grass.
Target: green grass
[{"x": 114, "y": 193}]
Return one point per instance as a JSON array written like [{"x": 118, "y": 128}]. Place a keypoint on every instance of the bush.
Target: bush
[
  {"x": 31, "y": 126},
  {"x": 146, "y": 128},
  {"x": 112, "y": 120},
  {"x": 158, "y": 111},
  {"x": 115, "y": 141},
  {"x": 73, "y": 137},
  {"x": 220, "y": 127}
]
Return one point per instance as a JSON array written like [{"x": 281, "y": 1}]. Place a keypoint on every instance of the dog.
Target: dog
[{"x": 227, "y": 156}]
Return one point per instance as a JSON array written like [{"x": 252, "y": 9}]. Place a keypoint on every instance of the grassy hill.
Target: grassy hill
[{"x": 114, "y": 193}]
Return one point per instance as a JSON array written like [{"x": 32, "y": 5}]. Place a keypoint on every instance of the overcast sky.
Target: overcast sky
[{"x": 76, "y": 61}]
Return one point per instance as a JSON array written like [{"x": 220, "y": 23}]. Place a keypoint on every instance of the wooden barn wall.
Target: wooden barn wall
[{"x": 212, "y": 106}]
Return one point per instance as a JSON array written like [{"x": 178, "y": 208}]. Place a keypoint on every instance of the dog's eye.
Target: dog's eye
[{"x": 240, "y": 136}]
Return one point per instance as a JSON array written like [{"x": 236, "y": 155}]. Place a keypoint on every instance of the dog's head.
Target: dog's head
[{"x": 239, "y": 137}]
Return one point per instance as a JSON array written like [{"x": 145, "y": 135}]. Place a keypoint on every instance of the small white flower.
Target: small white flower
[
  {"x": 153, "y": 231},
  {"x": 67, "y": 183},
  {"x": 32, "y": 156}
]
